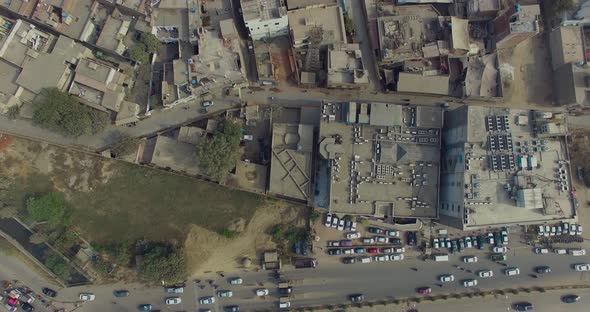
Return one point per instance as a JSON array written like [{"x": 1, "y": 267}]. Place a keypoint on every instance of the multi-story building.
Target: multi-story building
[{"x": 265, "y": 18}]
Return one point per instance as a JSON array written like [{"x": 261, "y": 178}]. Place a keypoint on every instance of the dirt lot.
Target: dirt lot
[
  {"x": 532, "y": 81},
  {"x": 113, "y": 201}
]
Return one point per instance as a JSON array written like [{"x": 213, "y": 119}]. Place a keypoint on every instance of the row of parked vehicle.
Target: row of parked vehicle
[
  {"x": 339, "y": 223},
  {"x": 377, "y": 258},
  {"x": 495, "y": 239},
  {"x": 560, "y": 229},
  {"x": 362, "y": 250},
  {"x": 561, "y": 251}
]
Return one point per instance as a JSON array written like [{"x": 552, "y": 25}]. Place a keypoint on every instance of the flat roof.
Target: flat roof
[
  {"x": 381, "y": 171},
  {"x": 176, "y": 155},
  {"x": 8, "y": 85},
  {"x": 109, "y": 35},
  {"x": 495, "y": 195},
  {"x": 290, "y": 171},
  {"x": 76, "y": 15},
  {"x": 262, "y": 9},
  {"x": 566, "y": 45},
  {"x": 417, "y": 83},
  {"x": 300, "y": 4},
  {"x": 329, "y": 18}
]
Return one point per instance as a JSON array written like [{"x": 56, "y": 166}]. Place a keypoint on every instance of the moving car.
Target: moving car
[
  {"x": 485, "y": 273},
  {"x": 225, "y": 293},
  {"x": 375, "y": 230},
  {"x": 523, "y": 306},
  {"x": 121, "y": 293},
  {"x": 49, "y": 292},
  {"x": 207, "y": 300},
  {"x": 236, "y": 281},
  {"x": 423, "y": 290},
  {"x": 539, "y": 250},
  {"x": 543, "y": 269},
  {"x": 500, "y": 249},
  {"x": 87, "y": 297},
  {"x": 469, "y": 283},
  {"x": 175, "y": 290},
  {"x": 260, "y": 292},
  {"x": 570, "y": 298},
  {"x": 446, "y": 278},
  {"x": 353, "y": 235},
  {"x": 512, "y": 271},
  {"x": 356, "y": 298},
  {"x": 328, "y": 222},
  {"x": 470, "y": 259},
  {"x": 144, "y": 307},
  {"x": 582, "y": 267},
  {"x": 173, "y": 300}
]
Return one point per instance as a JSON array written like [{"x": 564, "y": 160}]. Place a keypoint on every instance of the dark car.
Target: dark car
[
  {"x": 375, "y": 230},
  {"x": 423, "y": 290},
  {"x": 570, "y": 298},
  {"x": 498, "y": 257},
  {"x": 454, "y": 247},
  {"x": 394, "y": 240},
  {"x": 411, "y": 237},
  {"x": 285, "y": 291},
  {"x": 498, "y": 239},
  {"x": 144, "y": 307},
  {"x": 346, "y": 242},
  {"x": 349, "y": 260},
  {"x": 461, "y": 245},
  {"x": 356, "y": 298},
  {"x": 233, "y": 308},
  {"x": 49, "y": 292},
  {"x": 359, "y": 250},
  {"x": 480, "y": 242},
  {"x": 27, "y": 307},
  {"x": 335, "y": 251},
  {"x": 121, "y": 293},
  {"x": 543, "y": 269},
  {"x": 523, "y": 306}
]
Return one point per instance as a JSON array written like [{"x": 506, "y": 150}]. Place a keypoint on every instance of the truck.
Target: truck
[{"x": 303, "y": 263}]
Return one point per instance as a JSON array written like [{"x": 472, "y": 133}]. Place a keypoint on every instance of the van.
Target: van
[
  {"x": 577, "y": 252},
  {"x": 560, "y": 251},
  {"x": 440, "y": 257}
]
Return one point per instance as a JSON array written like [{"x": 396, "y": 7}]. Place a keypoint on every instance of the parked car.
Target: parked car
[
  {"x": 497, "y": 238},
  {"x": 173, "y": 300},
  {"x": 340, "y": 225},
  {"x": 470, "y": 259},
  {"x": 27, "y": 307},
  {"x": 233, "y": 308},
  {"x": 333, "y": 243},
  {"x": 445, "y": 278},
  {"x": 175, "y": 290},
  {"x": 261, "y": 292},
  {"x": 121, "y": 293},
  {"x": 469, "y": 283},
  {"x": 382, "y": 258},
  {"x": 396, "y": 257},
  {"x": 461, "y": 244},
  {"x": 207, "y": 300},
  {"x": 454, "y": 247},
  {"x": 346, "y": 243},
  {"x": 582, "y": 267},
  {"x": 542, "y": 269},
  {"x": 373, "y": 250},
  {"x": 380, "y": 239},
  {"x": 392, "y": 233},
  {"x": 359, "y": 250},
  {"x": 447, "y": 242},
  {"x": 399, "y": 249},
  {"x": 435, "y": 243},
  {"x": 387, "y": 250},
  {"x": 207, "y": 103},
  {"x": 490, "y": 238},
  {"x": 485, "y": 273},
  {"x": 498, "y": 257},
  {"x": 560, "y": 251},
  {"x": 368, "y": 240},
  {"x": 144, "y": 307},
  {"x": 480, "y": 242},
  {"x": 504, "y": 236},
  {"x": 500, "y": 249},
  {"x": 335, "y": 251},
  {"x": 395, "y": 240},
  {"x": 335, "y": 221},
  {"x": 539, "y": 250},
  {"x": 347, "y": 225},
  {"x": 375, "y": 230},
  {"x": 87, "y": 297},
  {"x": 474, "y": 241},
  {"x": 411, "y": 238},
  {"x": 356, "y": 298},
  {"x": 468, "y": 243},
  {"x": 570, "y": 298},
  {"x": 49, "y": 292},
  {"x": 512, "y": 271},
  {"x": 353, "y": 226},
  {"x": 424, "y": 290},
  {"x": 348, "y": 260},
  {"x": 225, "y": 293},
  {"x": 348, "y": 251},
  {"x": 353, "y": 235},
  {"x": 328, "y": 222},
  {"x": 523, "y": 306},
  {"x": 236, "y": 281}
]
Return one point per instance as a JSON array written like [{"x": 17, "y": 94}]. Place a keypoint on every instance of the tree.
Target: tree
[
  {"x": 556, "y": 7},
  {"x": 62, "y": 112},
  {"x": 38, "y": 237},
  {"x": 13, "y": 112},
  {"x": 150, "y": 41},
  {"x": 58, "y": 266},
  {"x": 348, "y": 24},
  {"x": 218, "y": 155},
  {"x": 163, "y": 263},
  {"x": 138, "y": 54},
  {"x": 51, "y": 208},
  {"x": 125, "y": 146}
]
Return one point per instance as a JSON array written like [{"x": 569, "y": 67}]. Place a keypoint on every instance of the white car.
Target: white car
[
  {"x": 504, "y": 234},
  {"x": 382, "y": 258},
  {"x": 396, "y": 257},
  {"x": 540, "y": 229},
  {"x": 435, "y": 243},
  {"x": 225, "y": 293},
  {"x": 582, "y": 267},
  {"x": 573, "y": 228},
  {"x": 173, "y": 300},
  {"x": 353, "y": 235},
  {"x": 560, "y": 251},
  {"x": 512, "y": 271},
  {"x": 469, "y": 283},
  {"x": 335, "y": 221},
  {"x": 328, "y": 222},
  {"x": 207, "y": 300},
  {"x": 353, "y": 227},
  {"x": 341, "y": 225},
  {"x": 579, "y": 231},
  {"x": 392, "y": 233},
  {"x": 399, "y": 249},
  {"x": 262, "y": 292},
  {"x": 348, "y": 251},
  {"x": 539, "y": 250},
  {"x": 485, "y": 273},
  {"x": 446, "y": 278},
  {"x": 175, "y": 290},
  {"x": 470, "y": 259},
  {"x": 368, "y": 240},
  {"x": 490, "y": 238},
  {"x": 87, "y": 297},
  {"x": 500, "y": 249},
  {"x": 468, "y": 243},
  {"x": 380, "y": 239},
  {"x": 236, "y": 281}
]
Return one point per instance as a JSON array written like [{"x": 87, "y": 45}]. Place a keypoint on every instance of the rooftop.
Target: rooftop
[
  {"x": 387, "y": 167},
  {"x": 112, "y": 34},
  {"x": 300, "y": 4},
  {"x": 566, "y": 45},
  {"x": 418, "y": 83},
  {"x": 345, "y": 66},
  {"x": 69, "y": 17},
  {"x": 329, "y": 19},
  {"x": 19, "y": 40},
  {"x": 506, "y": 172},
  {"x": 176, "y": 155},
  {"x": 262, "y": 9}
]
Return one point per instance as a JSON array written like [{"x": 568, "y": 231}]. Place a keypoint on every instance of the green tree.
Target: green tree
[
  {"x": 62, "y": 112},
  {"x": 218, "y": 155},
  {"x": 163, "y": 263},
  {"x": 58, "y": 266},
  {"x": 13, "y": 112},
  {"x": 150, "y": 41},
  {"x": 138, "y": 54},
  {"x": 38, "y": 237},
  {"x": 554, "y": 8},
  {"x": 51, "y": 208},
  {"x": 348, "y": 24}
]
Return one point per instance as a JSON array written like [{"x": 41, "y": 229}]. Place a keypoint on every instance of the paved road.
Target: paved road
[{"x": 362, "y": 36}]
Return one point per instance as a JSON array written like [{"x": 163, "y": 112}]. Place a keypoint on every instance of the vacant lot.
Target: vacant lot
[{"x": 113, "y": 201}]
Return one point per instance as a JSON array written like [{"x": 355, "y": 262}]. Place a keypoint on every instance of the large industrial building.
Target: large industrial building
[{"x": 504, "y": 167}]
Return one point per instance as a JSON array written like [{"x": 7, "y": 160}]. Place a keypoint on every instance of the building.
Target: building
[
  {"x": 317, "y": 26},
  {"x": 516, "y": 23},
  {"x": 504, "y": 167},
  {"x": 171, "y": 25},
  {"x": 302, "y": 4},
  {"x": 345, "y": 68},
  {"x": 418, "y": 83},
  {"x": 70, "y": 17},
  {"x": 379, "y": 160},
  {"x": 265, "y": 18},
  {"x": 112, "y": 35}
]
